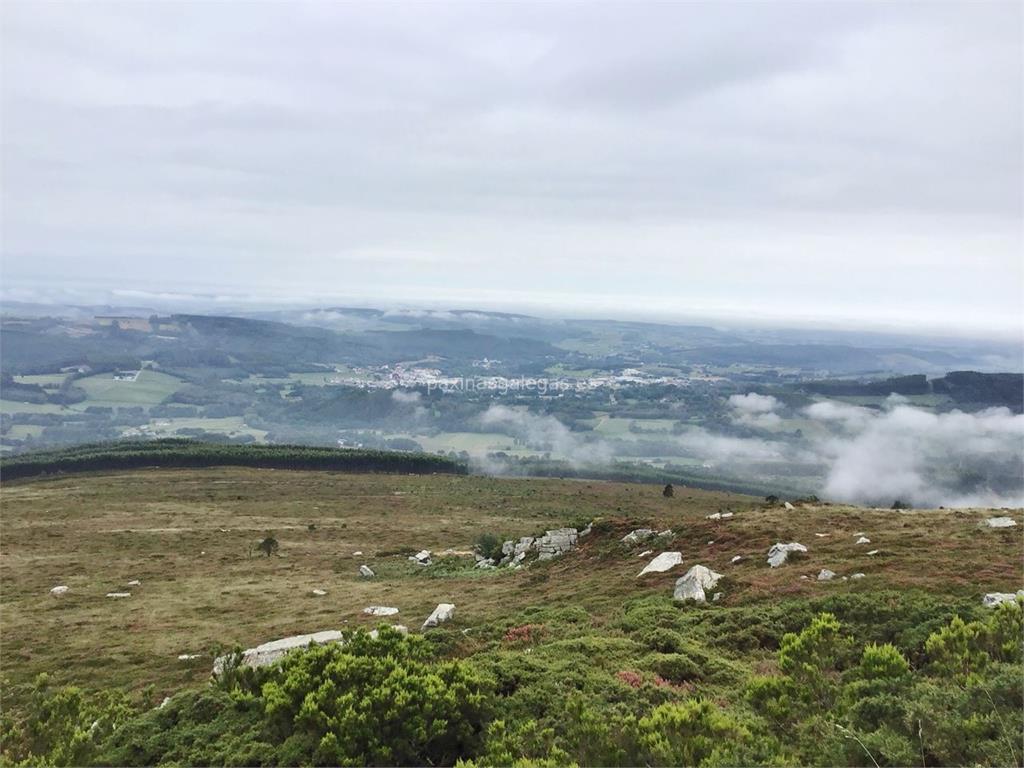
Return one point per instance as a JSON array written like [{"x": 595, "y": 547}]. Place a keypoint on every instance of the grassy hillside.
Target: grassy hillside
[{"x": 580, "y": 628}]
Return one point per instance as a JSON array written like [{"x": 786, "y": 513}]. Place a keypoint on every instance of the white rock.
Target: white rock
[
  {"x": 693, "y": 584},
  {"x": 357, "y": 554},
  {"x": 119, "y": 594},
  {"x": 821, "y": 535},
  {"x": 58, "y": 591},
  {"x": 826, "y": 575},
  {"x": 556, "y": 542},
  {"x": 441, "y": 614},
  {"x": 486, "y": 562},
  {"x": 874, "y": 552},
  {"x": 668, "y": 532},
  {"x": 421, "y": 558},
  {"x": 319, "y": 592},
  {"x": 586, "y": 531},
  {"x": 789, "y": 506},
  {"x": 856, "y": 575},
  {"x": 645, "y": 553},
  {"x": 863, "y": 540},
  {"x": 710, "y": 542},
  {"x": 380, "y": 610},
  {"x": 663, "y": 562},
  {"x": 188, "y": 656},
  {"x": 992, "y": 599},
  {"x": 165, "y": 702},
  {"x": 365, "y": 571},
  {"x": 268, "y": 653},
  {"x": 1000, "y": 522},
  {"x": 635, "y": 537},
  {"x": 716, "y": 597},
  {"x": 736, "y": 559},
  {"x": 779, "y": 553},
  {"x": 719, "y": 516}
]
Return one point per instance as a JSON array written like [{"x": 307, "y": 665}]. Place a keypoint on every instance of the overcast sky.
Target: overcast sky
[{"x": 816, "y": 161}]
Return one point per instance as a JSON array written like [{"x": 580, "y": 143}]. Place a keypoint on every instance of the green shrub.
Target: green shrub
[{"x": 677, "y": 667}]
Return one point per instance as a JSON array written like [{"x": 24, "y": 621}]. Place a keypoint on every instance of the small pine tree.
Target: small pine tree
[{"x": 669, "y": 491}]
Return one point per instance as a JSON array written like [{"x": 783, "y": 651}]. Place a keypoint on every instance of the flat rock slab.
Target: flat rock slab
[
  {"x": 119, "y": 595},
  {"x": 992, "y": 599},
  {"x": 365, "y": 572},
  {"x": 58, "y": 591},
  {"x": 380, "y": 610},
  {"x": 826, "y": 575},
  {"x": 268, "y": 653},
  {"x": 1000, "y": 522},
  {"x": 663, "y": 562}
]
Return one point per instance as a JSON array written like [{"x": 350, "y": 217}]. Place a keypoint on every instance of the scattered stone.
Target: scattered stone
[
  {"x": 854, "y": 576},
  {"x": 188, "y": 656},
  {"x": 826, "y": 575},
  {"x": 421, "y": 558},
  {"x": 366, "y": 572},
  {"x": 58, "y": 591},
  {"x": 716, "y": 597},
  {"x": 319, "y": 592},
  {"x": 874, "y": 552},
  {"x": 1000, "y": 522},
  {"x": 821, "y": 535},
  {"x": 165, "y": 702},
  {"x": 119, "y": 594},
  {"x": 357, "y": 554},
  {"x": 645, "y": 553},
  {"x": 789, "y": 506},
  {"x": 719, "y": 516},
  {"x": 667, "y": 533},
  {"x": 400, "y": 628},
  {"x": 134, "y": 583},
  {"x": 803, "y": 578},
  {"x": 736, "y": 559},
  {"x": 663, "y": 562},
  {"x": 587, "y": 531},
  {"x": 635, "y": 537},
  {"x": 863, "y": 540},
  {"x": 992, "y": 599},
  {"x": 268, "y": 653},
  {"x": 380, "y": 610},
  {"x": 486, "y": 562},
  {"x": 710, "y": 542},
  {"x": 441, "y": 614},
  {"x": 692, "y": 585},
  {"x": 779, "y": 553}
]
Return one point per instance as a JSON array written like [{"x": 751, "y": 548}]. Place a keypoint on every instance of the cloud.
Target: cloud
[
  {"x": 755, "y": 410},
  {"x": 419, "y": 150},
  {"x": 951, "y": 459},
  {"x": 832, "y": 412},
  {"x": 546, "y": 433},
  {"x": 406, "y": 397}
]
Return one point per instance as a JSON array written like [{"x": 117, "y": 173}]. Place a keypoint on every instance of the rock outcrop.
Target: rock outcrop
[
  {"x": 441, "y": 614},
  {"x": 556, "y": 542},
  {"x": 694, "y": 583},
  {"x": 779, "y": 553},
  {"x": 1000, "y": 522}
]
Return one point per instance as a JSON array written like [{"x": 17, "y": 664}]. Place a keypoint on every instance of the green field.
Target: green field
[
  {"x": 150, "y": 388},
  {"x": 232, "y": 426},
  {"x": 12, "y": 406},
  {"x": 43, "y": 379}
]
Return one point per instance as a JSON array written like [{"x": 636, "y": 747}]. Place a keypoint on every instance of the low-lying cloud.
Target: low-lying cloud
[
  {"x": 951, "y": 459},
  {"x": 754, "y": 410},
  {"x": 547, "y": 433},
  {"x": 860, "y": 455}
]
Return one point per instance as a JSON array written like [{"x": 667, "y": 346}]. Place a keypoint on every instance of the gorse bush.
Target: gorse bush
[{"x": 546, "y": 688}]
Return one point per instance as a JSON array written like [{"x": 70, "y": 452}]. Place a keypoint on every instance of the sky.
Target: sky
[{"x": 821, "y": 163}]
